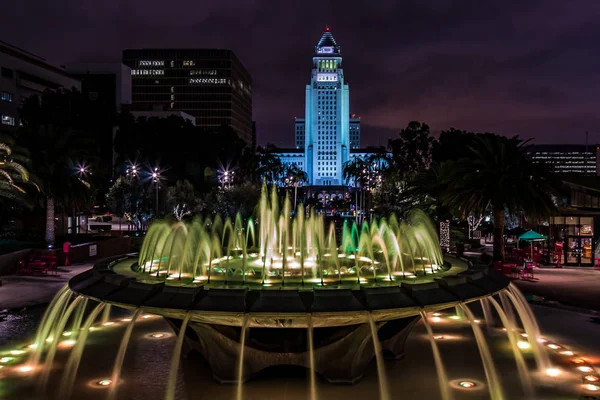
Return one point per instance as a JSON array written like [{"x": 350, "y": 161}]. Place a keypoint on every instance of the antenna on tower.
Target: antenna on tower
[{"x": 327, "y": 27}]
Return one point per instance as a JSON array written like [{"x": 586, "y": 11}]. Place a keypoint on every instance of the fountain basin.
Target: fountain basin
[{"x": 277, "y": 318}]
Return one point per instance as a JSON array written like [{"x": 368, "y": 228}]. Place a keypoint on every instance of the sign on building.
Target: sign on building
[{"x": 93, "y": 250}]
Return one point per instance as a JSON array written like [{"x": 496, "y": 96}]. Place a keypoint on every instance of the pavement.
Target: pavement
[
  {"x": 19, "y": 291},
  {"x": 576, "y": 287}
]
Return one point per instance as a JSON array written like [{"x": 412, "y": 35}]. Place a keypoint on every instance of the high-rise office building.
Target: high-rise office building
[
  {"x": 210, "y": 84},
  {"x": 328, "y": 136},
  {"x": 327, "y": 115},
  {"x": 567, "y": 158},
  {"x": 23, "y": 74}
]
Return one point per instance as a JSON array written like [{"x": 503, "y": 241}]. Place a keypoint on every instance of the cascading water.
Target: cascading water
[
  {"x": 439, "y": 364},
  {"x": 384, "y": 393},
  {"x": 511, "y": 331},
  {"x": 311, "y": 360},
  {"x": 486, "y": 357},
  {"x": 172, "y": 383},
  {"x": 121, "y": 356},
  {"x": 240, "y": 369}
]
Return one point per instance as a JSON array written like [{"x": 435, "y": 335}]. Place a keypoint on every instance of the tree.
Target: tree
[
  {"x": 270, "y": 168},
  {"x": 130, "y": 197},
  {"x": 13, "y": 174},
  {"x": 452, "y": 145},
  {"x": 55, "y": 134},
  {"x": 497, "y": 172},
  {"x": 181, "y": 199},
  {"x": 411, "y": 150}
]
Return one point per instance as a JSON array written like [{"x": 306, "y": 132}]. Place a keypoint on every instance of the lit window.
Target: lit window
[
  {"x": 8, "y": 120},
  {"x": 7, "y": 97}
]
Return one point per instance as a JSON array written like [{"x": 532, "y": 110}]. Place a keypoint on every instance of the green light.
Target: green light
[
  {"x": 5, "y": 360},
  {"x": 105, "y": 382},
  {"x": 467, "y": 384}
]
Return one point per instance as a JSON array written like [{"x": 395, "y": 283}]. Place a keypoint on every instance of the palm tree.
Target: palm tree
[
  {"x": 12, "y": 174},
  {"x": 498, "y": 173}
]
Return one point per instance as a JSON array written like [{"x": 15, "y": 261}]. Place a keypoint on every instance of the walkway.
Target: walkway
[
  {"x": 18, "y": 291},
  {"x": 576, "y": 287}
]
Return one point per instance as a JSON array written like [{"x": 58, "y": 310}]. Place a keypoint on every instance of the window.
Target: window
[
  {"x": 7, "y": 97},
  {"x": 8, "y": 120},
  {"x": 7, "y": 73}
]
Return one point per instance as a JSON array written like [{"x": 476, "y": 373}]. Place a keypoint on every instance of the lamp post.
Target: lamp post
[{"x": 156, "y": 180}]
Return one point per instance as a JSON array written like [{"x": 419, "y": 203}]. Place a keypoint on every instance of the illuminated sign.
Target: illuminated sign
[
  {"x": 208, "y": 81},
  {"x": 146, "y": 63},
  {"x": 147, "y": 72},
  {"x": 327, "y": 77},
  {"x": 325, "y": 50}
]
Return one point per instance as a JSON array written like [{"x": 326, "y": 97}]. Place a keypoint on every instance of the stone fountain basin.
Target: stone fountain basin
[{"x": 287, "y": 307}]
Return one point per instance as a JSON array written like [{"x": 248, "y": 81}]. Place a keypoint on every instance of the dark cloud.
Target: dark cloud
[{"x": 512, "y": 66}]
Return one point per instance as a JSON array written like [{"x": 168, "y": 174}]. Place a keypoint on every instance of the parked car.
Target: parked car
[{"x": 103, "y": 218}]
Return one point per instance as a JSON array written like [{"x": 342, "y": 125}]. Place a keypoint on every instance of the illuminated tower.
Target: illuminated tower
[{"x": 327, "y": 116}]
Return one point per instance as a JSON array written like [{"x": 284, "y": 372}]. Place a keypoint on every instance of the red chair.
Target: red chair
[
  {"x": 527, "y": 272},
  {"x": 508, "y": 270},
  {"x": 22, "y": 268}
]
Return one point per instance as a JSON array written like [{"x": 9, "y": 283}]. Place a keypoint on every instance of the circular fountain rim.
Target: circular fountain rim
[{"x": 288, "y": 307}]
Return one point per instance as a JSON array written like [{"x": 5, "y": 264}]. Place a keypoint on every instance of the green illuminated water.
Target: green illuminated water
[{"x": 278, "y": 249}]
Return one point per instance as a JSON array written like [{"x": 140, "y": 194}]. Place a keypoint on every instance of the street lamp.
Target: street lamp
[
  {"x": 132, "y": 170},
  {"x": 226, "y": 178},
  {"x": 155, "y": 173}
]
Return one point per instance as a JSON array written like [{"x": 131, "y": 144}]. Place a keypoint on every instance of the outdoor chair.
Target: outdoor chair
[{"x": 527, "y": 272}]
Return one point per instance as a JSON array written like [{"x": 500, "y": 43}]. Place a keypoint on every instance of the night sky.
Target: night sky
[{"x": 527, "y": 67}]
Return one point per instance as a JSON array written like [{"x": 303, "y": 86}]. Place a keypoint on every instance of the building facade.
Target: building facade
[
  {"x": 210, "y": 84},
  {"x": 568, "y": 158},
  {"x": 327, "y": 115},
  {"x": 23, "y": 74}
]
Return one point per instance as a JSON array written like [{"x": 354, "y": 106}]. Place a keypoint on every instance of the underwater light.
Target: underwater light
[
  {"x": 436, "y": 314},
  {"x": 17, "y": 352},
  {"x": 579, "y": 361},
  {"x": 109, "y": 323},
  {"x": 50, "y": 340},
  {"x": 438, "y": 337},
  {"x": 585, "y": 368},
  {"x": 104, "y": 382},
  {"x": 593, "y": 388},
  {"x": 65, "y": 344},
  {"x": 5, "y": 360},
  {"x": 567, "y": 353},
  {"x": 436, "y": 319},
  {"x": 147, "y": 316},
  {"x": 67, "y": 333},
  {"x": 33, "y": 346},
  {"x": 553, "y": 372},
  {"x": 125, "y": 319},
  {"x": 467, "y": 384},
  {"x": 157, "y": 335},
  {"x": 553, "y": 346},
  {"x": 523, "y": 345},
  {"x": 524, "y": 335},
  {"x": 591, "y": 378},
  {"x": 454, "y": 317},
  {"x": 25, "y": 368}
]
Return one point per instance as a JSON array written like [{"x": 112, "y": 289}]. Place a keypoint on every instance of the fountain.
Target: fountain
[{"x": 283, "y": 290}]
